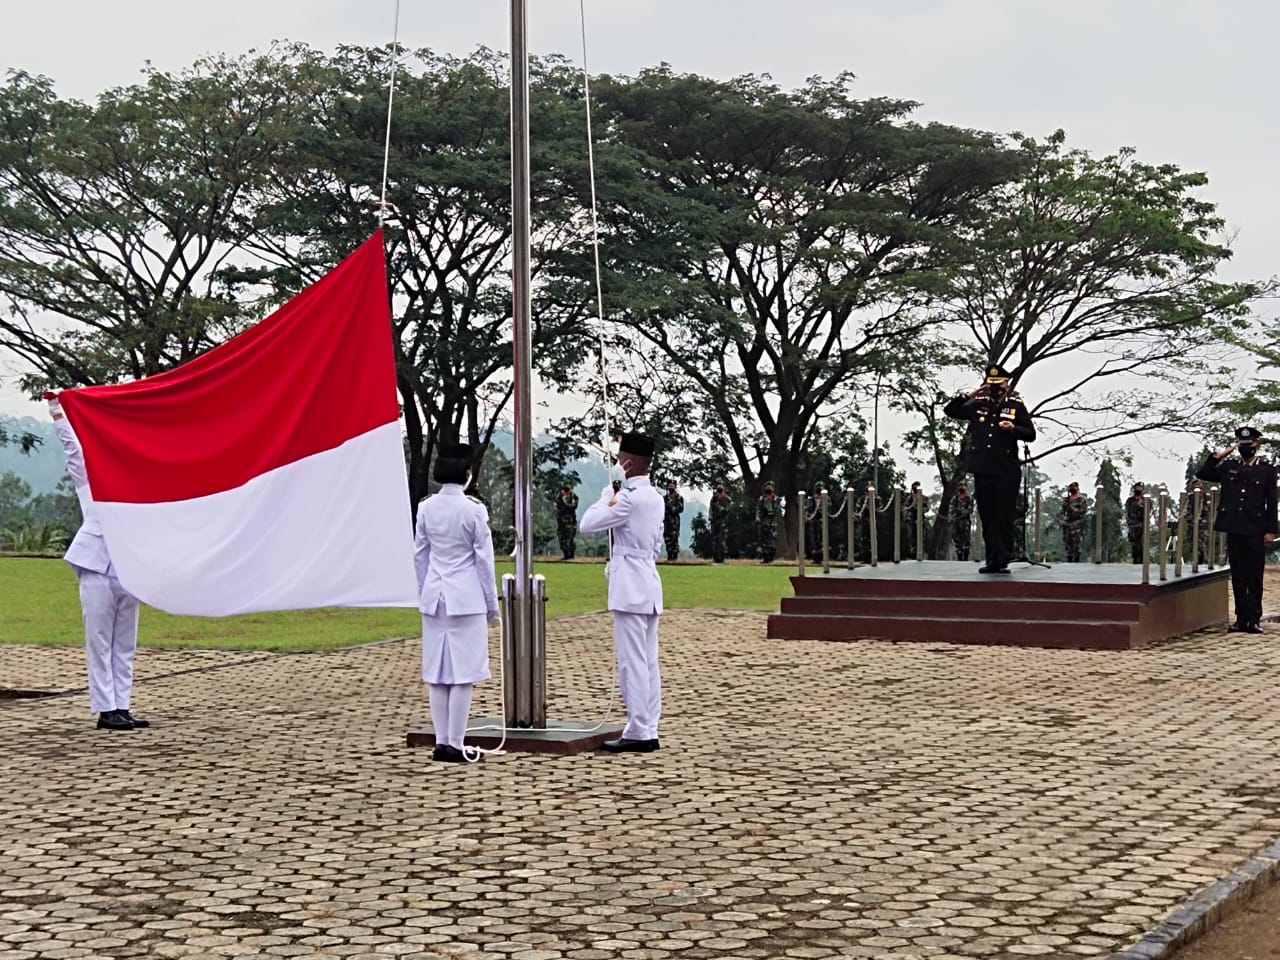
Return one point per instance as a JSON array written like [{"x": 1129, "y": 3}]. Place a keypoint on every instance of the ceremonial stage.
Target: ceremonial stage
[{"x": 1078, "y": 605}]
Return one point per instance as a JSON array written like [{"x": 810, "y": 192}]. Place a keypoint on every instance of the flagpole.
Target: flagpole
[{"x": 529, "y": 708}]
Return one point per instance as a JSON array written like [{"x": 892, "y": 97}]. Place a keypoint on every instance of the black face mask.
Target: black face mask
[{"x": 1247, "y": 450}]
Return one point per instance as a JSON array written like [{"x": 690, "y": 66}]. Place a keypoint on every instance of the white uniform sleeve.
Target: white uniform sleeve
[
  {"x": 421, "y": 551},
  {"x": 610, "y": 511},
  {"x": 483, "y": 541},
  {"x": 75, "y": 462}
]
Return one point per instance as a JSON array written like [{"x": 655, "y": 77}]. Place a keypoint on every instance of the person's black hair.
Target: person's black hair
[{"x": 450, "y": 470}]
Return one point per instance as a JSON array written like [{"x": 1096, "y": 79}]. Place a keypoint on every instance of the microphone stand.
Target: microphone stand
[{"x": 1025, "y": 485}]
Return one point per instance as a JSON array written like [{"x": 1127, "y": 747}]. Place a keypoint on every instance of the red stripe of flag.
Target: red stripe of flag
[{"x": 311, "y": 376}]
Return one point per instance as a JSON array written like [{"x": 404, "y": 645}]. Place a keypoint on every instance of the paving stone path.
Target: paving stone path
[{"x": 810, "y": 800}]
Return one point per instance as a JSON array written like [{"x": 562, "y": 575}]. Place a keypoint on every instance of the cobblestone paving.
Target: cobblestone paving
[
  {"x": 810, "y": 800},
  {"x": 56, "y": 669}
]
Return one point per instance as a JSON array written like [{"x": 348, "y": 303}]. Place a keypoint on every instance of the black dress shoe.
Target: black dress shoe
[
  {"x": 447, "y": 754},
  {"x": 994, "y": 568},
  {"x": 114, "y": 720},
  {"x": 1253, "y": 627},
  {"x": 136, "y": 721},
  {"x": 623, "y": 745},
  {"x": 1237, "y": 627}
]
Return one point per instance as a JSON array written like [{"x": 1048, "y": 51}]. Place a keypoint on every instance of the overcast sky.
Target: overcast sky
[{"x": 1191, "y": 83}]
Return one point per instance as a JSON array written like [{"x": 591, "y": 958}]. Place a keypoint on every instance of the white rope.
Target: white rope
[
  {"x": 391, "y": 96},
  {"x": 595, "y": 230}
]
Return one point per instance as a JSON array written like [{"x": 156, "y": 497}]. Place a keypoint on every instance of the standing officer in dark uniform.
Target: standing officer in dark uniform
[
  {"x": 1134, "y": 519},
  {"x": 719, "y": 523},
  {"x": 567, "y": 520},
  {"x": 1072, "y": 522},
  {"x": 962, "y": 521},
  {"x": 998, "y": 419},
  {"x": 767, "y": 513},
  {"x": 1247, "y": 515},
  {"x": 672, "y": 507}
]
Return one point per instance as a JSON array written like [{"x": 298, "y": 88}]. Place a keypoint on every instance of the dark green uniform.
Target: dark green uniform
[
  {"x": 768, "y": 513},
  {"x": 567, "y": 522},
  {"x": 1201, "y": 522},
  {"x": 915, "y": 506},
  {"x": 719, "y": 524},
  {"x": 1073, "y": 526},
  {"x": 673, "y": 506},
  {"x": 813, "y": 526},
  {"x": 962, "y": 525},
  {"x": 1133, "y": 521}
]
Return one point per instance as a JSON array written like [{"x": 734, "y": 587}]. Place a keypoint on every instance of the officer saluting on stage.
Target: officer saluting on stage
[
  {"x": 1247, "y": 515},
  {"x": 998, "y": 419}
]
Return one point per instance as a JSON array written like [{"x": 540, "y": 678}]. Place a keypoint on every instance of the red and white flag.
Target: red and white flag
[{"x": 268, "y": 473}]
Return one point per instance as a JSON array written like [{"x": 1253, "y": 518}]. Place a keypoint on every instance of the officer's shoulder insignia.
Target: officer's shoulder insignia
[
  {"x": 1015, "y": 396},
  {"x": 475, "y": 500}
]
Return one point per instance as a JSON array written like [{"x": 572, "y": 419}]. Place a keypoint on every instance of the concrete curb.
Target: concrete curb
[{"x": 1207, "y": 908}]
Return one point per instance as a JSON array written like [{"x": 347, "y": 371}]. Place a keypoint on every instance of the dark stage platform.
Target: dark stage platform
[{"x": 1082, "y": 605}]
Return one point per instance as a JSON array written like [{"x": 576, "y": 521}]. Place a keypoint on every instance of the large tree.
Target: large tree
[
  {"x": 448, "y": 233},
  {"x": 768, "y": 248},
  {"x": 1099, "y": 275},
  {"x": 115, "y": 215}
]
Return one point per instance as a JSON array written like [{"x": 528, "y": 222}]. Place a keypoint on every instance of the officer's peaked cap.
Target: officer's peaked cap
[
  {"x": 636, "y": 444},
  {"x": 1248, "y": 433},
  {"x": 997, "y": 374}
]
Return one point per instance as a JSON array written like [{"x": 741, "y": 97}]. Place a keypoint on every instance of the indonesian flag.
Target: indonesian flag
[{"x": 268, "y": 473}]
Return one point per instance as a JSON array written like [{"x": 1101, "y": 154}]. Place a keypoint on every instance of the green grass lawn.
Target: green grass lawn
[{"x": 39, "y": 604}]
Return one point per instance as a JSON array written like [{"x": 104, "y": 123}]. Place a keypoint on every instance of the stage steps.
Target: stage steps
[{"x": 1085, "y": 606}]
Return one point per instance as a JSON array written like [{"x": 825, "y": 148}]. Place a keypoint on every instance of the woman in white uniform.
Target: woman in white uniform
[{"x": 457, "y": 596}]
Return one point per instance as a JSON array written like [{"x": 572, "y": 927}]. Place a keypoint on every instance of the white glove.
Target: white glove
[
  {"x": 493, "y": 617},
  {"x": 55, "y": 408},
  {"x": 617, "y": 472}
]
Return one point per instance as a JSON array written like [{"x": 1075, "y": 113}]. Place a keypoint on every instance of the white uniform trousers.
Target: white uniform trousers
[
  {"x": 110, "y": 639},
  {"x": 635, "y": 641}
]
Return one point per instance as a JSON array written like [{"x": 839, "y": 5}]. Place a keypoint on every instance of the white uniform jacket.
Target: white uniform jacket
[
  {"x": 634, "y": 515},
  {"x": 88, "y": 550},
  {"x": 453, "y": 555}
]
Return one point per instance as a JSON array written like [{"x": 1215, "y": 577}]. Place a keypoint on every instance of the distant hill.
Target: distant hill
[{"x": 44, "y": 466}]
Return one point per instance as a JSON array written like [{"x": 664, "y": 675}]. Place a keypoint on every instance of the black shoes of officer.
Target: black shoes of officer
[
  {"x": 1245, "y": 626},
  {"x": 114, "y": 720},
  {"x": 447, "y": 754},
  {"x": 994, "y": 568},
  {"x": 136, "y": 721},
  {"x": 623, "y": 745}
]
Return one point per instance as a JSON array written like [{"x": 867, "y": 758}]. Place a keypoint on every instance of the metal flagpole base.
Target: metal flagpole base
[{"x": 558, "y": 737}]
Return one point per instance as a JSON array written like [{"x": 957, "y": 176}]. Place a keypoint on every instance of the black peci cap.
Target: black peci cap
[
  {"x": 455, "y": 451},
  {"x": 636, "y": 444}
]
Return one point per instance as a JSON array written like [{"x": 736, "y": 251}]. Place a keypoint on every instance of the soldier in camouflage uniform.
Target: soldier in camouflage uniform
[
  {"x": 567, "y": 520},
  {"x": 768, "y": 511},
  {"x": 1072, "y": 517},
  {"x": 1201, "y": 522},
  {"x": 1133, "y": 520},
  {"x": 962, "y": 521},
  {"x": 916, "y": 506},
  {"x": 673, "y": 506},
  {"x": 719, "y": 522},
  {"x": 813, "y": 525}
]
